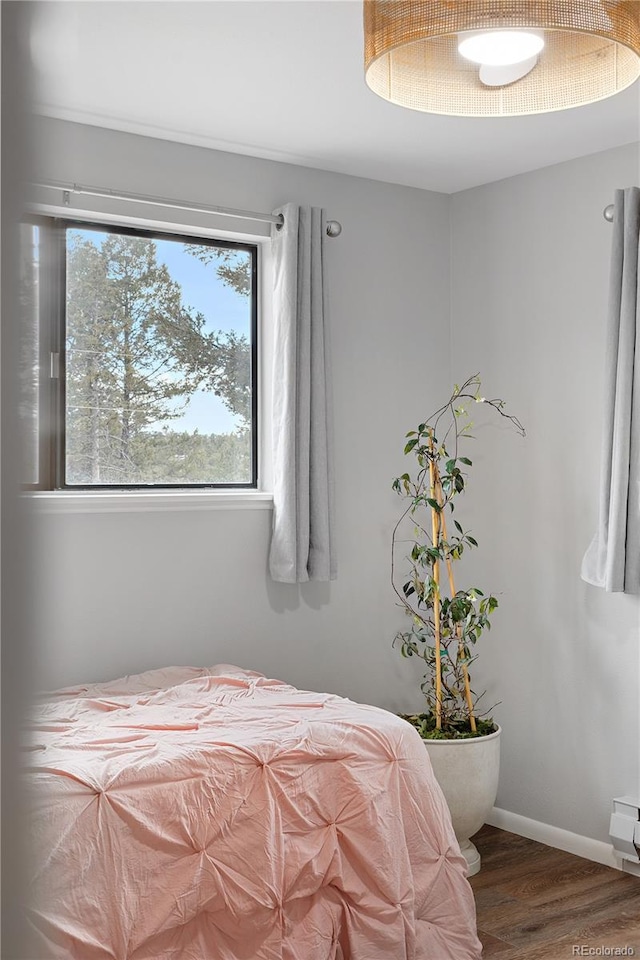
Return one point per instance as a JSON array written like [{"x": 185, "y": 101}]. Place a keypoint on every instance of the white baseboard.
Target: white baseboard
[
  {"x": 629, "y": 867},
  {"x": 580, "y": 846}
]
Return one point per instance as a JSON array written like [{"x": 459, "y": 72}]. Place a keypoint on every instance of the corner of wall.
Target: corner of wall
[{"x": 450, "y": 284}]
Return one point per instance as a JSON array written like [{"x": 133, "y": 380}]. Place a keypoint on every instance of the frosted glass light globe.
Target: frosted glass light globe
[{"x": 499, "y": 48}]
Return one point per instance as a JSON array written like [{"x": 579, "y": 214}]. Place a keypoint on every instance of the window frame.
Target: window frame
[{"x": 52, "y": 333}]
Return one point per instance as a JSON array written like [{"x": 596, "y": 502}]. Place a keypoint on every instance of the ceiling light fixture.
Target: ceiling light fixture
[{"x": 490, "y": 58}]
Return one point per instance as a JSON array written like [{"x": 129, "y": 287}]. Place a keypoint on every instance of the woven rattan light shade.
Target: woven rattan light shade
[{"x": 592, "y": 51}]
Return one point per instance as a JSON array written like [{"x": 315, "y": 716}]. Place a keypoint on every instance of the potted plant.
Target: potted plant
[{"x": 446, "y": 623}]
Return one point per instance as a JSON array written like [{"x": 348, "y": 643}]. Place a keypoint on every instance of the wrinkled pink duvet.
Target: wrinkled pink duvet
[{"x": 199, "y": 814}]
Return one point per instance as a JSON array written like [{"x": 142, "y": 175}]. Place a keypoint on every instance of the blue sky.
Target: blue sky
[
  {"x": 203, "y": 291},
  {"x": 223, "y": 309}
]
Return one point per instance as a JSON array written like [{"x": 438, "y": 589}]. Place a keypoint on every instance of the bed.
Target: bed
[{"x": 217, "y": 814}]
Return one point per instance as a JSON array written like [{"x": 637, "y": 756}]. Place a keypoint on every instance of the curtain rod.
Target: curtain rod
[{"x": 333, "y": 227}]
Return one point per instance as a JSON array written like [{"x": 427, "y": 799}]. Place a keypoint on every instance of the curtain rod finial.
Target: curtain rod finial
[{"x": 334, "y": 229}]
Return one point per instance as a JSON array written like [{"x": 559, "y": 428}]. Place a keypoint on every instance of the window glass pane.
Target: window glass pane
[
  {"x": 29, "y": 351},
  {"x": 158, "y": 361}
]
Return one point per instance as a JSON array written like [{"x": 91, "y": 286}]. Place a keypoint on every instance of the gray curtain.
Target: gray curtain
[
  {"x": 613, "y": 558},
  {"x": 302, "y": 543}
]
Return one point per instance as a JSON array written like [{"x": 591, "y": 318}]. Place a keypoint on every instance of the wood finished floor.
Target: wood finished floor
[{"x": 537, "y": 903}]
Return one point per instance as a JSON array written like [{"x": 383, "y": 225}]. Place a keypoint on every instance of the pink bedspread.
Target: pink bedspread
[{"x": 194, "y": 814}]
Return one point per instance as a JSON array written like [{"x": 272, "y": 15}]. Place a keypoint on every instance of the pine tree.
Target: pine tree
[{"x": 135, "y": 355}]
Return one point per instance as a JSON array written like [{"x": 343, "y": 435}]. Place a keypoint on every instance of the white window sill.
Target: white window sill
[{"x": 143, "y": 501}]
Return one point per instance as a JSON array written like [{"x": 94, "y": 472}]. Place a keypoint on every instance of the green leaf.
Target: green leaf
[
  {"x": 411, "y": 444},
  {"x": 472, "y": 541},
  {"x": 466, "y": 460},
  {"x": 458, "y": 527}
]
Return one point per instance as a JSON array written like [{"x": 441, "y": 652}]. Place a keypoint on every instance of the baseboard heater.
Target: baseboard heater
[{"x": 624, "y": 828}]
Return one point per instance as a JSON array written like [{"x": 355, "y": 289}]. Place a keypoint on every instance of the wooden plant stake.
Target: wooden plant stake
[
  {"x": 435, "y": 539},
  {"x": 452, "y": 590}
]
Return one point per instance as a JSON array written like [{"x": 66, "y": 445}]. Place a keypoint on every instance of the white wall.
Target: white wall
[
  {"x": 529, "y": 284},
  {"x": 118, "y": 593}
]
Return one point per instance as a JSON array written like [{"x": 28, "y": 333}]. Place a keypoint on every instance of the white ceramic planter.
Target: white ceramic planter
[{"x": 467, "y": 771}]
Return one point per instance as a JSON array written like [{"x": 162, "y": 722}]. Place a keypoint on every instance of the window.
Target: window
[{"x": 148, "y": 341}]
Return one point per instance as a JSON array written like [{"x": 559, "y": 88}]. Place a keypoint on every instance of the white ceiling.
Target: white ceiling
[{"x": 283, "y": 79}]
